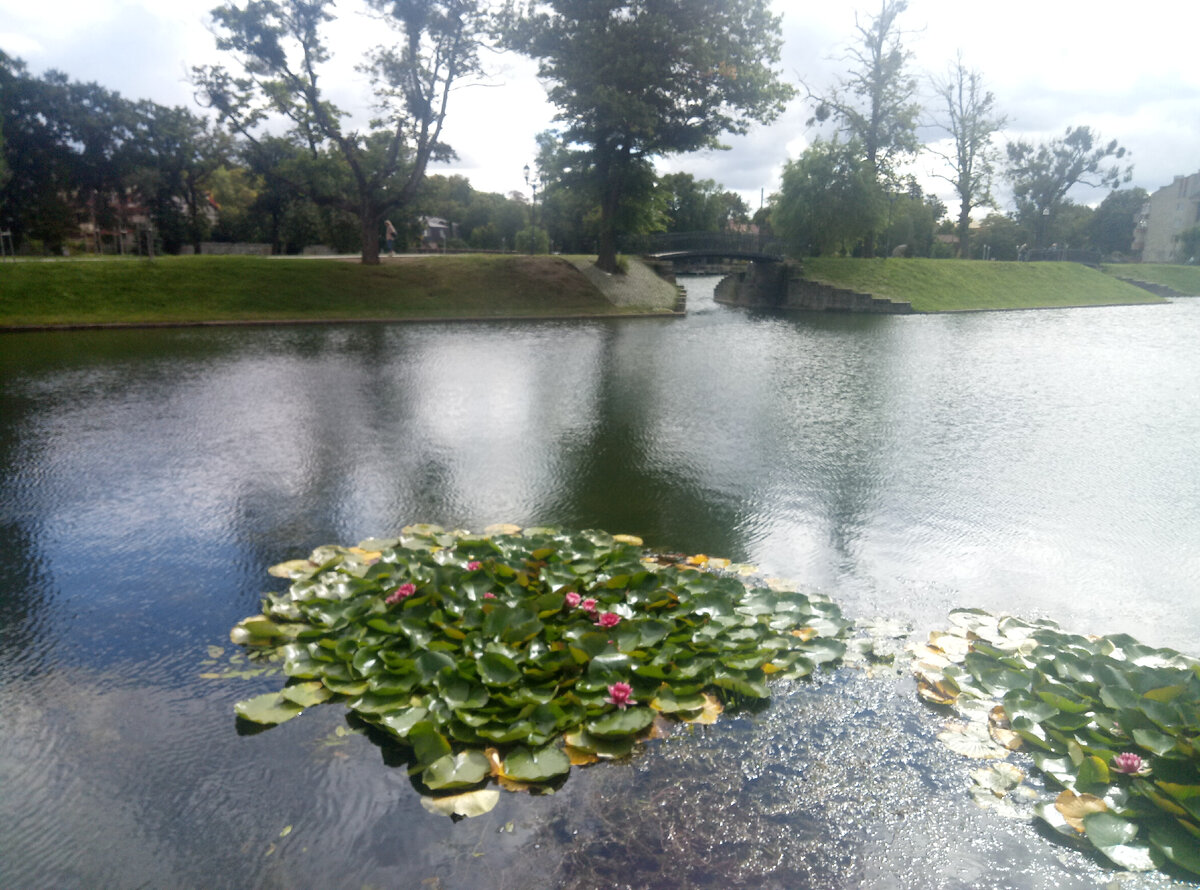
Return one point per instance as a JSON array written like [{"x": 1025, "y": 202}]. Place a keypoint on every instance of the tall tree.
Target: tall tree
[
  {"x": 969, "y": 115},
  {"x": 66, "y": 151},
  {"x": 639, "y": 79},
  {"x": 178, "y": 153},
  {"x": 1041, "y": 175},
  {"x": 874, "y": 105},
  {"x": 693, "y": 205},
  {"x": 1110, "y": 230},
  {"x": 828, "y": 199},
  {"x": 280, "y": 47}
]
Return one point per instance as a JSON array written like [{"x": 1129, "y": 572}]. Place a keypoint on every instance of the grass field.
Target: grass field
[
  {"x": 964, "y": 285},
  {"x": 1184, "y": 279},
  {"x": 239, "y": 289}
]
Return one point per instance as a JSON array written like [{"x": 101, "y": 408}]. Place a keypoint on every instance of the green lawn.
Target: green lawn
[
  {"x": 213, "y": 289},
  {"x": 1184, "y": 279},
  {"x": 961, "y": 285}
]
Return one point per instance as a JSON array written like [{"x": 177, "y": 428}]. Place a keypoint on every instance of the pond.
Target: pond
[{"x": 1039, "y": 463}]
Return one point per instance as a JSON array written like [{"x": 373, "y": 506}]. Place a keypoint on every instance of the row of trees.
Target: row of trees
[
  {"x": 633, "y": 80},
  {"x": 837, "y": 195},
  {"x": 70, "y": 149}
]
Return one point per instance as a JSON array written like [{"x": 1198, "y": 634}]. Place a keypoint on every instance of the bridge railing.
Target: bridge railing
[{"x": 720, "y": 243}]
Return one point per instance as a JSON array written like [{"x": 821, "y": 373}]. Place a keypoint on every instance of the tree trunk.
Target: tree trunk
[
  {"x": 611, "y": 169},
  {"x": 371, "y": 220},
  {"x": 964, "y": 233}
]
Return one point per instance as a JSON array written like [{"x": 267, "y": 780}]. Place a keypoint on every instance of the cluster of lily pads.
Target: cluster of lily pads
[
  {"x": 516, "y": 653},
  {"x": 1114, "y": 723}
]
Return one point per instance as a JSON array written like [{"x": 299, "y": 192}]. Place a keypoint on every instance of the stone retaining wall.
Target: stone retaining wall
[
  {"x": 783, "y": 286},
  {"x": 1160, "y": 290}
]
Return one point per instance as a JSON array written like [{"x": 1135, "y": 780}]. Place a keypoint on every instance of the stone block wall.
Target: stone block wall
[{"x": 783, "y": 286}]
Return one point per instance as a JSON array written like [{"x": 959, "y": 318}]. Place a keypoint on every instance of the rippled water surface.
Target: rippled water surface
[{"x": 1042, "y": 463}]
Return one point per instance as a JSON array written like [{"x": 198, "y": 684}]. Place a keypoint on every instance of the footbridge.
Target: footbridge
[{"x": 705, "y": 245}]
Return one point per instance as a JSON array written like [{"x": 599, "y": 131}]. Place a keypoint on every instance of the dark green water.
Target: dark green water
[{"x": 1041, "y": 463}]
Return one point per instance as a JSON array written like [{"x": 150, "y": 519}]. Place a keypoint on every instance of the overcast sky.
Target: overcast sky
[{"x": 1128, "y": 70}]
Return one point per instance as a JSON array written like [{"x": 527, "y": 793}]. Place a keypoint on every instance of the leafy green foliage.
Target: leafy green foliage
[
  {"x": 828, "y": 200},
  {"x": 457, "y": 644},
  {"x": 875, "y": 105},
  {"x": 279, "y": 50},
  {"x": 971, "y": 119},
  {"x": 641, "y": 80},
  {"x": 1114, "y": 723},
  {"x": 1042, "y": 174}
]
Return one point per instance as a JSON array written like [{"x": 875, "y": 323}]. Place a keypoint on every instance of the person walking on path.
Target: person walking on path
[{"x": 390, "y": 237}]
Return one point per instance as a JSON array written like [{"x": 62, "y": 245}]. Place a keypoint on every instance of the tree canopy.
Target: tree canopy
[
  {"x": 968, "y": 114},
  {"x": 1042, "y": 174},
  {"x": 828, "y": 198},
  {"x": 874, "y": 105},
  {"x": 280, "y": 48},
  {"x": 638, "y": 79}
]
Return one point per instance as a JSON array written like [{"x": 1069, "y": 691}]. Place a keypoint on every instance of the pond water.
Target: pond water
[{"x": 1043, "y": 463}]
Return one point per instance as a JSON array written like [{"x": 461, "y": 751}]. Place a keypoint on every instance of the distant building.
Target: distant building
[
  {"x": 435, "y": 232},
  {"x": 1172, "y": 209}
]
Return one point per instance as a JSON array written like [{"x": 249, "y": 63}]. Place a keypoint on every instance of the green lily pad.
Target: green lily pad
[
  {"x": 268, "y": 709},
  {"x": 536, "y": 765},
  {"x": 497, "y": 670},
  {"x": 1177, "y": 845},
  {"x": 1109, "y": 830},
  {"x": 307, "y": 694},
  {"x": 457, "y": 770},
  {"x": 400, "y": 722},
  {"x": 621, "y": 723}
]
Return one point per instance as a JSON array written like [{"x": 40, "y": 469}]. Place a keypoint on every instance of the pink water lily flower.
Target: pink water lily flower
[
  {"x": 608, "y": 619},
  {"x": 474, "y": 565},
  {"x": 573, "y": 599},
  {"x": 1130, "y": 764},
  {"x": 588, "y": 605},
  {"x": 400, "y": 593},
  {"x": 621, "y": 695},
  {"x": 489, "y": 596}
]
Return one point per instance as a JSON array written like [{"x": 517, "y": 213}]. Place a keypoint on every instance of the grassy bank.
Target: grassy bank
[
  {"x": 962, "y": 285},
  {"x": 241, "y": 289},
  {"x": 1183, "y": 279}
]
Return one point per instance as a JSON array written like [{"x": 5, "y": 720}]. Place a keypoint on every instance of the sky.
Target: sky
[{"x": 1126, "y": 70}]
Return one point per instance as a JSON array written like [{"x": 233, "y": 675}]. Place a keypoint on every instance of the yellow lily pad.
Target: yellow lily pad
[
  {"x": 471, "y": 803},
  {"x": 1075, "y": 806}
]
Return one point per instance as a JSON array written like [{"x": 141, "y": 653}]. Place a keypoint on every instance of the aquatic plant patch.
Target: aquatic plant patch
[
  {"x": 1111, "y": 722},
  {"x": 515, "y": 654}
]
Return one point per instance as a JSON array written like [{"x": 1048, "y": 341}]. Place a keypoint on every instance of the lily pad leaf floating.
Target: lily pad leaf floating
[
  {"x": 457, "y": 770},
  {"x": 466, "y": 805},
  {"x": 269, "y": 709},
  {"x": 544, "y": 645},
  {"x": 1113, "y": 727}
]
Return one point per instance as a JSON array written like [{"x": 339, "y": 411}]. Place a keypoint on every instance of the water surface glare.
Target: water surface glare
[{"x": 1041, "y": 463}]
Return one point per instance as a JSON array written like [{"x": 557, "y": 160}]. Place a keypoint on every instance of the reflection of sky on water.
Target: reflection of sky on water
[{"x": 1035, "y": 462}]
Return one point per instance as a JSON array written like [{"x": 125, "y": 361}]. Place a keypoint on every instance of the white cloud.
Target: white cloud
[{"x": 1129, "y": 73}]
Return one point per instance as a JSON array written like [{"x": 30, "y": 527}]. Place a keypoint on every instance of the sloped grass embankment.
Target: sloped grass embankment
[
  {"x": 966, "y": 285},
  {"x": 198, "y": 290}
]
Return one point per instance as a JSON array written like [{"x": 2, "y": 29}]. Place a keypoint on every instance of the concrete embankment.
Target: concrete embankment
[{"x": 640, "y": 287}]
